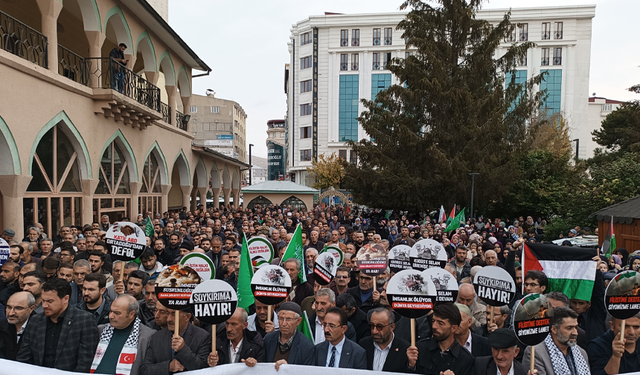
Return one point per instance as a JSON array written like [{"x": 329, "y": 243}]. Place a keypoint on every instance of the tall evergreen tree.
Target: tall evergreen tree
[{"x": 459, "y": 109}]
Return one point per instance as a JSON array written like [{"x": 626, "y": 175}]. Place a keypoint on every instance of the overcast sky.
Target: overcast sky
[{"x": 245, "y": 43}]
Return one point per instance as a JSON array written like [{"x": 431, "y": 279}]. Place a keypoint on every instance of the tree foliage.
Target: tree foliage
[
  {"x": 328, "y": 171},
  {"x": 452, "y": 115},
  {"x": 620, "y": 130}
]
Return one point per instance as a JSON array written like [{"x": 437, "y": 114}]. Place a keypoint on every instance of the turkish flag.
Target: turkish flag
[{"x": 127, "y": 358}]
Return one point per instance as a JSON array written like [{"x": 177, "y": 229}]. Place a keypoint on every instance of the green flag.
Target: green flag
[
  {"x": 245, "y": 273},
  {"x": 296, "y": 250},
  {"x": 455, "y": 223},
  {"x": 304, "y": 326},
  {"x": 148, "y": 229}
]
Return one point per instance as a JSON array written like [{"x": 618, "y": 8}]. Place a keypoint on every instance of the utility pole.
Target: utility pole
[
  {"x": 473, "y": 183},
  {"x": 250, "y": 165}
]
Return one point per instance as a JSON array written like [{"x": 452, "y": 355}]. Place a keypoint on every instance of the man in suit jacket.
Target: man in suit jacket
[
  {"x": 477, "y": 345},
  {"x": 19, "y": 310},
  {"x": 122, "y": 324},
  {"x": 237, "y": 344},
  {"x": 288, "y": 345},
  {"x": 504, "y": 349},
  {"x": 75, "y": 335},
  {"x": 168, "y": 353},
  {"x": 337, "y": 350},
  {"x": 385, "y": 351}
]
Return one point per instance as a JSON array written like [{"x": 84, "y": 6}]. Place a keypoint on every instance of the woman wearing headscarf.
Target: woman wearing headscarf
[{"x": 393, "y": 235}]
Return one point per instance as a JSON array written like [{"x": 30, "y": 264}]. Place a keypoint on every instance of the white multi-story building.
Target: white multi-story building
[
  {"x": 339, "y": 59},
  {"x": 599, "y": 109}
]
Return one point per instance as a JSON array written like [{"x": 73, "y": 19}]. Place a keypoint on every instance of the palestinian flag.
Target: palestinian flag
[
  {"x": 452, "y": 215},
  {"x": 609, "y": 244},
  {"x": 455, "y": 223},
  {"x": 570, "y": 270},
  {"x": 442, "y": 216}
]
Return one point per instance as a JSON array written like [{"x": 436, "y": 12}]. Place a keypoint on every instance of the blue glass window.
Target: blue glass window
[
  {"x": 349, "y": 98},
  {"x": 553, "y": 84}
]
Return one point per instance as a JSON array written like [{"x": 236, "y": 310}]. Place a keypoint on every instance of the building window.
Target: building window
[
  {"x": 194, "y": 109},
  {"x": 355, "y": 61},
  {"x": 305, "y": 132},
  {"x": 355, "y": 37},
  {"x": 342, "y": 154},
  {"x": 376, "y": 61},
  {"x": 557, "y": 56},
  {"x": 348, "y": 107},
  {"x": 353, "y": 157},
  {"x": 376, "y": 37},
  {"x": 344, "y": 62},
  {"x": 305, "y": 155},
  {"x": 387, "y": 60},
  {"x": 522, "y": 61},
  {"x": 379, "y": 82},
  {"x": 305, "y": 109},
  {"x": 305, "y": 86},
  {"x": 545, "y": 57},
  {"x": 552, "y": 83},
  {"x": 559, "y": 30},
  {"x": 511, "y": 37},
  {"x": 306, "y": 38},
  {"x": 388, "y": 36},
  {"x": 407, "y": 54},
  {"x": 215, "y": 109},
  {"x": 546, "y": 30},
  {"x": 344, "y": 38},
  {"x": 305, "y": 62},
  {"x": 606, "y": 107},
  {"x": 523, "y": 32}
]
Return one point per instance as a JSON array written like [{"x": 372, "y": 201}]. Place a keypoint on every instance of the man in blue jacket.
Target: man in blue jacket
[
  {"x": 288, "y": 345},
  {"x": 610, "y": 355}
]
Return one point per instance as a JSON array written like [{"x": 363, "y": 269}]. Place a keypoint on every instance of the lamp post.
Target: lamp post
[
  {"x": 473, "y": 183},
  {"x": 250, "y": 165}
]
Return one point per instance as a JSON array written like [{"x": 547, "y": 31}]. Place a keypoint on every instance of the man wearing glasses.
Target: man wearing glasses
[
  {"x": 385, "y": 351},
  {"x": 337, "y": 350},
  {"x": 288, "y": 345},
  {"x": 342, "y": 279}
]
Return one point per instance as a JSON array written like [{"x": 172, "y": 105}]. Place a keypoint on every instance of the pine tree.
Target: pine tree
[{"x": 458, "y": 109}]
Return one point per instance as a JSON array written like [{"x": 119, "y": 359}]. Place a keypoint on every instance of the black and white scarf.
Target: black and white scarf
[{"x": 559, "y": 361}]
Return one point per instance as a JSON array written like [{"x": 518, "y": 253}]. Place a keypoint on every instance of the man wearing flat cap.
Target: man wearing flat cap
[
  {"x": 288, "y": 345},
  {"x": 8, "y": 234},
  {"x": 504, "y": 349}
]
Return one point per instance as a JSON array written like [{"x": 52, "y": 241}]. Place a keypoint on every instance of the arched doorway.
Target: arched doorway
[
  {"x": 294, "y": 202},
  {"x": 54, "y": 196},
  {"x": 180, "y": 177},
  {"x": 153, "y": 176},
  {"x": 259, "y": 200},
  {"x": 113, "y": 194}
]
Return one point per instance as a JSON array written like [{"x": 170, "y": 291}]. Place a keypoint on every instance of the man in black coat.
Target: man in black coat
[
  {"x": 385, "y": 351},
  {"x": 288, "y": 345},
  {"x": 367, "y": 297},
  {"x": 168, "y": 353},
  {"x": 475, "y": 344},
  {"x": 504, "y": 349},
  {"x": 19, "y": 310},
  {"x": 9, "y": 275},
  {"x": 228, "y": 346},
  {"x": 61, "y": 337},
  {"x": 356, "y": 317}
]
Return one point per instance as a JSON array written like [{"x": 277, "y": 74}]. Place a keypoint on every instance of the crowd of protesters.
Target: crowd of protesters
[{"x": 65, "y": 304}]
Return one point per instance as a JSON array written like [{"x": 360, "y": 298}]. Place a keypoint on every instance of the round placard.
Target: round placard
[
  {"x": 372, "y": 259},
  {"x": 126, "y": 241},
  {"x": 174, "y": 286},
  {"x": 271, "y": 284},
  {"x": 622, "y": 297},
  {"x": 445, "y": 283},
  {"x": 411, "y": 294},
  {"x": 532, "y": 319},
  {"x": 5, "y": 251},
  {"x": 399, "y": 258},
  {"x": 260, "y": 251},
  {"x": 325, "y": 268},
  {"x": 427, "y": 254},
  {"x": 213, "y": 301},
  {"x": 200, "y": 263},
  {"x": 494, "y": 286},
  {"x": 337, "y": 253}
]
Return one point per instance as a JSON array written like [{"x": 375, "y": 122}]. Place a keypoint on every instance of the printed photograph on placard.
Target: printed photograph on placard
[
  {"x": 325, "y": 268},
  {"x": 125, "y": 241},
  {"x": 271, "y": 284},
  {"x": 532, "y": 319},
  {"x": 260, "y": 251},
  {"x": 337, "y": 253},
  {"x": 622, "y": 297},
  {"x": 427, "y": 254},
  {"x": 411, "y": 294},
  {"x": 445, "y": 283},
  {"x": 177, "y": 275},
  {"x": 399, "y": 258},
  {"x": 372, "y": 259},
  {"x": 174, "y": 286}
]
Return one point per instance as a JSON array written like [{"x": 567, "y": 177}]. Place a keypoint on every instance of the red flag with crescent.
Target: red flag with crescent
[{"x": 127, "y": 358}]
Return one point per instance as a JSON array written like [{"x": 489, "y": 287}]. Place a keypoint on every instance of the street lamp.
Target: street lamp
[
  {"x": 250, "y": 166},
  {"x": 473, "y": 183}
]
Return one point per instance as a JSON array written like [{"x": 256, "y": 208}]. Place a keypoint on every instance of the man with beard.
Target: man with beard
[
  {"x": 310, "y": 255},
  {"x": 33, "y": 282},
  {"x": 19, "y": 309},
  {"x": 404, "y": 238},
  {"x": 15, "y": 252},
  {"x": 461, "y": 264},
  {"x": 215, "y": 251},
  {"x": 9, "y": 274},
  {"x": 174, "y": 245},
  {"x": 258, "y": 322},
  {"x": 299, "y": 290},
  {"x": 136, "y": 283},
  {"x": 358, "y": 240},
  {"x": 558, "y": 353},
  {"x": 148, "y": 306},
  {"x": 288, "y": 345},
  {"x": 385, "y": 351},
  {"x": 366, "y": 296},
  {"x": 165, "y": 257},
  {"x": 441, "y": 353},
  {"x": 94, "y": 300},
  {"x": 159, "y": 317}
]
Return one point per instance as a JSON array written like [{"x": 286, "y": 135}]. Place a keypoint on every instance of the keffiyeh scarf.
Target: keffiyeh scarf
[
  {"x": 559, "y": 361},
  {"x": 127, "y": 355}
]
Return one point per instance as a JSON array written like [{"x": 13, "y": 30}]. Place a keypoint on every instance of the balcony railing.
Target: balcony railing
[
  {"x": 355, "y": 42},
  {"x": 113, "y": 75},
  {"x": 344, "y": 66},
  {"x": 376, "y": 40},
  {"x": 388, "y": 41},
  {"x": 181, "y": 120},
  {"x": 344, "y": 42},
  {"x": 376, "y": 66},
  {"x": 557, "y": 61},
  {"x": 545, "y": 61},
  {"x": 354, "y": 66},
  {"x": 166, "y": 112},
  {"x": 558, "y": 35},
  {"x": 72, "y": 66},
  {"x": 546, "y": 35},
  {"x": 21, "y": 40}
]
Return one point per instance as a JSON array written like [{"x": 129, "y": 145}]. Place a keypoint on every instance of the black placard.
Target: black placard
[
  {"x": 622, "y": 297},
  {"x": 399, "y": 258},
  {"x": 125, "y": 241},
  {"x": 213, "y": 301},
  {"x": 532, "y": 319},
  {"x": 494, "y": 286},
  {"x": 325, "y": 268},
  {"x": 428, "y": 254},
  {"x": 411, "y": 294},
  {"x": 174, "y": 286},
  {"x": 271, "y": 284}
]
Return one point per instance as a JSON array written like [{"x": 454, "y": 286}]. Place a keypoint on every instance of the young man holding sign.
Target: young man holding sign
[{"x": 608, "y": 354}]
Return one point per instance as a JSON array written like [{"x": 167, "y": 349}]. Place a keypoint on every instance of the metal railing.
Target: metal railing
[
  {"x": 21, "y": 40},
  {"x": 376, "y": 40},
  {"x": 344, "y": 42},
  {"x": 354, "y": 66},
  {"x": 166, "y": 112},
  {"x": 545, "y": 61},
  {"x": 388, "y": 41},
  {"x": 355, "y": 42},
  {"x": 558, "y": 35},
  {"x": 72, "y": 66},
  {"x": 344, "y": 66},
  {"x": 376, "y": 66},
  {"x": 181, "y": 120},
  {"x": 546, "y": 35},
  {"x": 107, "y": 73},
  {"x": 557, "y": 61}
]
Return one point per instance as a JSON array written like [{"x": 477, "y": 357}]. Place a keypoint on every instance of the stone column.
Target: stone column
[
  {"x": 203, "y": 195},
  {"x": 132, "y": 60},
  {"x": 172, "y": 93},
  {"x": 216, "y": 197},
  {"x": 186, "y": 195},
  {"x": 13, "y": 188},
  {"x": 135, "y": 193},
  {"x": 165, "y": 197},
  {"x": 194, "y": 195},
  {"x": 236, "y": 198},
  {"x": 152, "y": 77},
  {"x": 49, "y": 12},
  {"x": 227, "y": 193},
  {"x": 88, "y": 188},
  {"x": 96, "y": 40}
]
